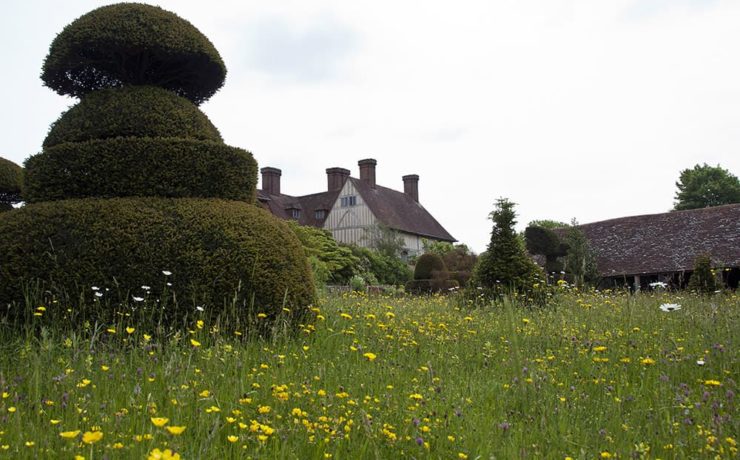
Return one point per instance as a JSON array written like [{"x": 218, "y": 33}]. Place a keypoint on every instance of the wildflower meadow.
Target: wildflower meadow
[{"x": 592, "y": 375}]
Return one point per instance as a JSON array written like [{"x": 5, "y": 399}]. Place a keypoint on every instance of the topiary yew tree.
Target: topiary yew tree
[
  {"x": 545, "y": 242},
  {"x": 429, "y": 266},
  {"x": 135, "y": 179}
]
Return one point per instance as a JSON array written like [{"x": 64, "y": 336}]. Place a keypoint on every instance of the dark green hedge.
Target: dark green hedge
[
  {"x": 209, "y": 245},
  {"x": 138, "y": 111},
  {"x": 141, "y": 167},
  {"x": 11, "y": 181},
  {"x": 428, "y": 286},
  {"x": 11, "y": 177},
  {"x": 429, "y": 266},
  {"x": 133, "y": 44}
]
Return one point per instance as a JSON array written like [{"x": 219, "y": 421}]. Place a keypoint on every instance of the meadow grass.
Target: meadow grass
[{"x": 593, "y": 375}]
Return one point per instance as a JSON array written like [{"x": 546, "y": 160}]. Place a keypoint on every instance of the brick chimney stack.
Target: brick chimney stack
[
  {"x": 367, "y": 171},
  {"x": 271, "y": 180},
  {"x": 411, "y": 186},
  {"x": 336, "y": 177}
]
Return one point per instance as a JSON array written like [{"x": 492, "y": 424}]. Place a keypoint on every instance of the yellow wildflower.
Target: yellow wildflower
[
  {"x": 166, "y": 454},
  {"x": 91, "y": 437},
  {"x": 176, "y": 430},
  {"x": 69, "y": 434},
  {"x": 159, "y": 422}
]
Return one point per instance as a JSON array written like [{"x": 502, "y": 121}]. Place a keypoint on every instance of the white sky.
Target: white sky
[{"x": 581, "y": 108}]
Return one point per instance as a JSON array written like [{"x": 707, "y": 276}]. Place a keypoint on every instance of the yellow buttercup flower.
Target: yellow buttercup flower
[
  {"x": 176, "y": 430},
  {"x": 159, "y": 422},
  {"x": 166, "y": 454},
  {"x": 69, "y": 434},
  {"x": 232, "y": 438},
  {"x": 370, "y": 356},
  {"x": 194, "y": 343},
  {"x": 263, "y": 409},
  {"x": 91, "y": 437},
  {"x": 130, "y": 330}
]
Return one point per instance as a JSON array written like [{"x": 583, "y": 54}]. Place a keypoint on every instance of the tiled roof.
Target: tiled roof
[
  {"x": 400, "y": 212},
  {"x": 668, "y": 242}
]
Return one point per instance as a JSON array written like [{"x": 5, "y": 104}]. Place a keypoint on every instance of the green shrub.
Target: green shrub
[
  {"x": 430, "y": 286},
  {"x": 134, "y": 166},
  {"x": 702, "y": 279},
  {"x": 332, "y": 263},
  {"x": 11, "y": 179},
  {"x": 429, "y": 266},
  {"x": 142, "y": 111},
  {"x": 357, "y": 283},
  {"x": 215, "y": 249},
  {"x": 133, "y": 44},
  {"x": 379, "y": 268},
  {"x": 461, "y": 276}
]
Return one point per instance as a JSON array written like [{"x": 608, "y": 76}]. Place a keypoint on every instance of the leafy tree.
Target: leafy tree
[
  {"x": 330, "y": 261},
  {"x": 581, "y": 260},
  {"x": 704, "y": 186},
  {"x": 547, "y": 223},
  {"x": 385, "y": 240},
  {"x": 11, "y": 178},
  {"x": 702, "y": 279},
  {"x": 439, "y": 248},
  {"x": 506, "y": 261}
]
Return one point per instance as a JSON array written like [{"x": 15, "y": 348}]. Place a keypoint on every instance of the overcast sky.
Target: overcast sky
[{"x": 582, "y": 108}]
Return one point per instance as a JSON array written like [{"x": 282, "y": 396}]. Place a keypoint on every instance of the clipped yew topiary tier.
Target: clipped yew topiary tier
[
  {"x": 133, "y": 44},
  {"x": 209, "y": 245},
  {"x": 141, "y": 166},
  {"x": 135, "y": 179},
  {"x": 142, "y": 111}
]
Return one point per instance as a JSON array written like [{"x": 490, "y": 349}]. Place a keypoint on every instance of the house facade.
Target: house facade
[
  {"x": 351, "y": 207},
  {"x": 637, "y": 250}
]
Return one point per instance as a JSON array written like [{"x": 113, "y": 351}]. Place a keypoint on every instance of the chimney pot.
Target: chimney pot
[
  {"x": 367, "y": 171},
  {"x": 271, "y": 180},
  {"x": 411, "y": 186},
  {"x": 336, "y": 177}
]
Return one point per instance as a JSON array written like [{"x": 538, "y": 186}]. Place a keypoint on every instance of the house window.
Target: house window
[
  {"x": 349, "y": 201},
  {"x": 295, "y": 213},
  {"x": 319, "y": 214}
]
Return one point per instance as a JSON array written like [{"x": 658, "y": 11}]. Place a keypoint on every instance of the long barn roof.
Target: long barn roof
[{"x": 668, "y": 242}]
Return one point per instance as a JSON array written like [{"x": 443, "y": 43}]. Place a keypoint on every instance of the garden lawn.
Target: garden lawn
[{"x": 594, "y": 375}]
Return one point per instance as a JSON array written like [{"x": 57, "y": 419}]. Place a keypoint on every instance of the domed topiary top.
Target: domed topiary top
[
  {"x": 133, "y": 44},
  {"x": 139, "y": 111}
]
